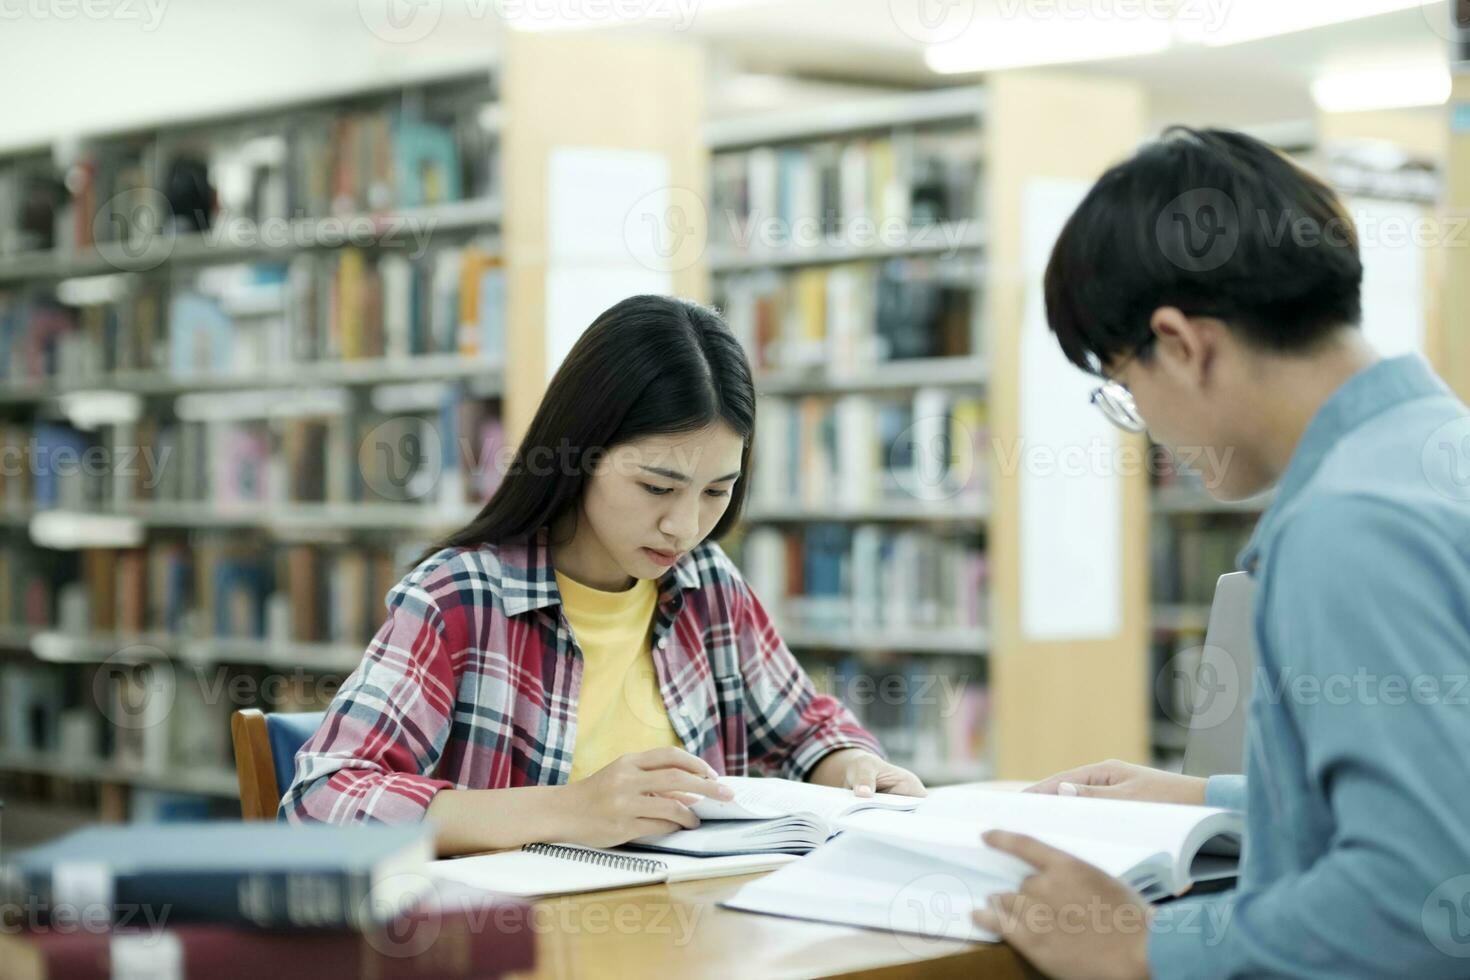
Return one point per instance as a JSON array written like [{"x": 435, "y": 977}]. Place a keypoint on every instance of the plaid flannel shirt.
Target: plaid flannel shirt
[{"x": 472, "y": 683}]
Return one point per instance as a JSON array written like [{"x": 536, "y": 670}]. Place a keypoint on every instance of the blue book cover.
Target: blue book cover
[
  {"x": 200, "y": 336},
  {"x": 260, "y": 873},
  {"x": 425, "y": 163},
  {"x": 58, "y": 447}
]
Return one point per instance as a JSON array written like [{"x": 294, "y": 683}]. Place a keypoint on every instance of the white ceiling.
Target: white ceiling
[{"x": 201, "y": 56}]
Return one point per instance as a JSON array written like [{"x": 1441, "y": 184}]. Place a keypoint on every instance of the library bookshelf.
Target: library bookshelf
[
  {"x": 868, "y": 256},
  {"x": 348, "y": 248}
]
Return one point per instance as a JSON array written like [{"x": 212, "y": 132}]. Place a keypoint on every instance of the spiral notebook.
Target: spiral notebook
[{"x": 541, "y": 870}]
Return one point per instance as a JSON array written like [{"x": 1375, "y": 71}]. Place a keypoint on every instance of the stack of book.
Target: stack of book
[
  {"x": 383, "y": 152},
  {"x": 1191, "y": 552},
  {"x": 242, "y": 449},
  {"x": 255, "y": 318},
  {"x": 228, "y": 899},
  {"x": 868, "y": 577},
  {"x": 854, "y": 451},
  {"x": 912, "y": 178},
  {"x": 930, "y": 714},
  {"x": 853, "y": 316}
]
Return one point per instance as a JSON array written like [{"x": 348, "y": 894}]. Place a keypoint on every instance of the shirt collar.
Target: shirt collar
[
  {"x": 528, "y": 579},
  {"x": 1367, "y": 394}
]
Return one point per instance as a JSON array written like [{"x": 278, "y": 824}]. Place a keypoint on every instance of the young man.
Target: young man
[{"x": 1214, "y": 286}]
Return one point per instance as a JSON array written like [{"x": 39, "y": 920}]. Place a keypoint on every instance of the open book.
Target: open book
[
  {"x": 926, "y": 872},
  {"x": 771, "y": 816},
  {"x": 539, "y": 870}
]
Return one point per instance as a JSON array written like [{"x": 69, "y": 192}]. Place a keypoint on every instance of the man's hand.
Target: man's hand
[
  {"x": 1124, "y": 781},
  {"x": 864, "y": 773},
  {"x": 1069, "y": 919}
]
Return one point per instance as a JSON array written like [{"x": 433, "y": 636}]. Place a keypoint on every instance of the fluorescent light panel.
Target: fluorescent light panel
[
  {"x": 1388, "y": 88},
  {"x": 1019, "y": 42}
]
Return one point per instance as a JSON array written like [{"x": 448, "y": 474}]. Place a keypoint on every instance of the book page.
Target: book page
[
  {"x": 529, "y": 875},
  {"x": 1141, "y": 827},
  {"x": 862, "y": 882},
  {"x": 958, "y": 842},
  {"x": 762, "y": 799}
]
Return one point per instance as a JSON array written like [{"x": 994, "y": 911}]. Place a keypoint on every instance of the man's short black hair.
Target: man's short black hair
[{"x": 1217, "y": 224}]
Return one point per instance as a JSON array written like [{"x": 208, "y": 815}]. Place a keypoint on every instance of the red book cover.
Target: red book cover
[{"x": 476, "y": 935}]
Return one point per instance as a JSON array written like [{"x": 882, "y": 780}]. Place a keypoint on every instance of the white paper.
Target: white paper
[
  {"x": 1071, "y": 496},
  {"x": 605, "y": 212},
  {"x": 1393, "y": 275}
]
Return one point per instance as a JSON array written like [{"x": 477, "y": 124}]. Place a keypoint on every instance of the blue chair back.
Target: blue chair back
[{"x": 287, "y": 733}]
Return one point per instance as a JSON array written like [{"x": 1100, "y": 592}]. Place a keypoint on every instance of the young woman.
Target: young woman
[{"x": 581, "y": 661}]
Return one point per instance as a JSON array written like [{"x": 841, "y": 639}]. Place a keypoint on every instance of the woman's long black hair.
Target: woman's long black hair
[{"x": 650, "y": 365}]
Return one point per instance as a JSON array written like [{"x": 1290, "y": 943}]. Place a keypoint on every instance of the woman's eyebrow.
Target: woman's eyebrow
[{"x": 682, "y": 478}]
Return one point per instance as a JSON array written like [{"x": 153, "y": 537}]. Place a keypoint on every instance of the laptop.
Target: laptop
[{"x": 1222, "y": 686}]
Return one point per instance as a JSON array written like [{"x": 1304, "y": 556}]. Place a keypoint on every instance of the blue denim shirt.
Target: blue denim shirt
[{"x": 1357, "y": 781}]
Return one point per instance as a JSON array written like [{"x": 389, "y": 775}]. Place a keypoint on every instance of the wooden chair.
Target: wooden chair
[{"x": 265, "y": 756}]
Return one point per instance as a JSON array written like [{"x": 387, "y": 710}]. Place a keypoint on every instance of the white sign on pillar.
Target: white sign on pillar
[
  {"x": 1068, "y": 454},
  {"x": 596, "y": 253}
]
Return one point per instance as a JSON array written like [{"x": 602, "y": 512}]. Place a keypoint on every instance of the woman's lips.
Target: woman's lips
[{"x": 665, "y": 558}]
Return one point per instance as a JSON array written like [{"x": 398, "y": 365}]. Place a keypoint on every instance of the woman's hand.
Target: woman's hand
[
  {"x": 1124, "y": 781},
  {"x": 639, "y": 794},
  {"x": 864, "y": 773}
]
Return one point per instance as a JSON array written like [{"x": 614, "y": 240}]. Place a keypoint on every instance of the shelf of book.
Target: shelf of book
[
  {"x": 902, "y": 511},
  {"x": 865, "y": 256},
  {"x": 871, "y": 370},
  {"x": 217, "y": 781},
  {"x": 486, "y": 374},
  {"x": 971, "y": 641},
  {"x": 946, "y": 238},
  {"x": 281, "y": 518},
  {"x": 247, "y": 240},
  {"x": 895, "y": 376},
  {"x": 59, "y": 647},
  {"x": 856, "y": 116},
  {"x": 343, "y": 281}
]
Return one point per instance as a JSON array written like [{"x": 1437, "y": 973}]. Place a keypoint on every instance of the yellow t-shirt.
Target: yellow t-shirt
[{"x": 619, "y": 709}]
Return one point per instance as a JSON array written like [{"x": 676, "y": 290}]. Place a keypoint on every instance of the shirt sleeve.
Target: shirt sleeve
[
  {"x": 385, "y": 731},
  {"x": 1227, "y": 791},
  {"x": 1361, "y": 590},
  {"x": 789, "y": 726}
]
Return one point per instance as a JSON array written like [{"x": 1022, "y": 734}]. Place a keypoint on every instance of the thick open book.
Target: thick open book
[
  {"x": 926, "y": 872},
  {"x": 771, "y": 816},
  {"x": 539, "y": 870}
]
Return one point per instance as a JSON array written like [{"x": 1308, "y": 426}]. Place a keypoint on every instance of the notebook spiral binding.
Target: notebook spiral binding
[{"x": 588, "y": 855}]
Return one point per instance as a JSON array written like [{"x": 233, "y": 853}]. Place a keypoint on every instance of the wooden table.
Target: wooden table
[{"x": 680, "y": 931}]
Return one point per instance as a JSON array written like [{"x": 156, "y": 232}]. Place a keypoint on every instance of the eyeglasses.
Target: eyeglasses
[{"x": 1115, "y": 401}]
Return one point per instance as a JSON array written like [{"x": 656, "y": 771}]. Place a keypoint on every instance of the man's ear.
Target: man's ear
[{"x": 1183, "y": 346}]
